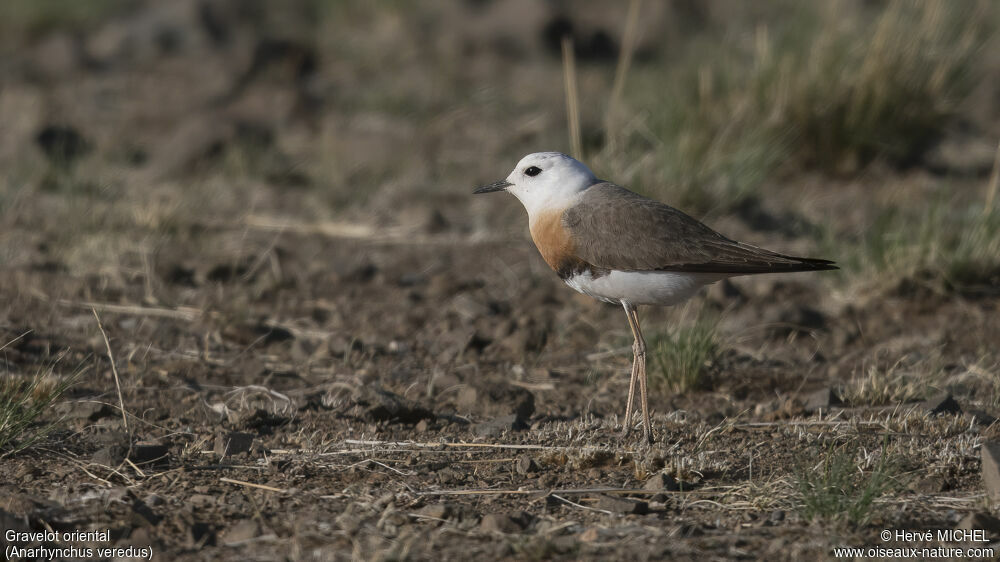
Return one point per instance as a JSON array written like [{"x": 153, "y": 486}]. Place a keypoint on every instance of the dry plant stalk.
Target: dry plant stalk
[
  {"x": 621, "y": 70},
  {"x": 572, "y": 101},
  {"x": 252, "y": 485},
  {"x": 991, "y": 190},
  {"x": 180, "y": 313},
  {"x": 114, "y": 371}
]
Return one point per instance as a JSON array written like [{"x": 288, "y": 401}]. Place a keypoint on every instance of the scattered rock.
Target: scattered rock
[
  {"x": 112, "y": 438},
  {"x": 981, "y": 520},
  {"x": 933, "y": 484},
  {"x": 89, "y": 411},
  {"x": 391, "y": 521},
  {"x": 660, "y": 482},
  {"x": 233, "y": 443},
  {"x": 790, "y": 318},
  {"x": 506, "y": 523},
  {"x": 201, "y": 534},
  {"x": 990, "y": 455},
  {"x": 437, "y": 511},
  {"x": 496, "y": 399},
  {"x": 9, "y": 521},
  {"x": 547, "y": 480},
  {"x": 256, "y": 333},
  {"x": 942, "y": 403},
  {"x": 62, "y": 144},
  {"x": 982, "y": 418},
  {"x": 776, "y": 516},
  {"x": 783, "y": 409},
  {"x": 625, "y": 506},
  {"x": 821, "y": 400},
  {"x": 143, "y": 515},
  {"x": 240, "y": 532},
  {"x": 201, "y": 501},
  {"x": 149, "y": 452},
  {"x": 499, "y": 426},
  {"x": 389, "y": 407},
  {"x": 450, "y": 476},
  {"x": 111, "y": 455},
  {"x": 766, "y": 408},
  {"x": 961, "y": 153},
  {"x": 138, "y": 537},
  {"x": 526, "y": 465},
  {"x": 351, "y": 519},
  {"x": 595, "y": 534},
  {"x": 376, "y": 405}
]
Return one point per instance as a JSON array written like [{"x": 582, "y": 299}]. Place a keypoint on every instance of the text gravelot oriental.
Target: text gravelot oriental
[{"x": 57, "y": 536}]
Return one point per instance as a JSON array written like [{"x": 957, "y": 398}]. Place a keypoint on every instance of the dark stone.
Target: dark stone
[
  {"x": 942, "y": 403},
  {"x": 990, "y": 457},
  {"x": 10, "y": 521},
  {"x": 110, "y": 455},
  {"x": 661, "y": 481},
  {"x": 497, "y": 399},
  {"x": 241, "y": 531},
  {"x": 437, "y": 511},
  {"x": 822, "y": 399},
  {"x": 981, "y": 520},
  {"x": 385, "y": 406},
  {"x": 143, "y": 515},
  {"x": 526, "y": 465},
  {"x": 626, "y": 506},
  {"x": 146, "y": 453},
  {"x": 233, "y": 443},
  {"x": 62, "y": 144},
  {"x": 201, "y": 534},
  {"x": 498, "y": 426},
  {"x": 90, "y": 411},
  {"x": 982, "y": 418},
  {"x": 506, "y": 523}
]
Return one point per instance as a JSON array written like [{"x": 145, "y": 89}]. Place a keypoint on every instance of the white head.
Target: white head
[{"x": 545, "y": 181}]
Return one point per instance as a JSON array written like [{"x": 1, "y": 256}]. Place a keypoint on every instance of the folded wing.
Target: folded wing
[{"x": 614, "y": 228}]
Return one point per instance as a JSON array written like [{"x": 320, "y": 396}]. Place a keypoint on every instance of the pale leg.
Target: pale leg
[
  {"x": 641, "y": 375},
  {"x": 631, "y": 384},
  {"x": 638, "y": 375}
]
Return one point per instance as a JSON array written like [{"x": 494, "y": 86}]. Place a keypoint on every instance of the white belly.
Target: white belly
[{"x": 662, "y": 288}]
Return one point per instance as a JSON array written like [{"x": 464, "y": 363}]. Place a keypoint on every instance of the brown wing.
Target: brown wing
[{"x": 612, "y": 227}]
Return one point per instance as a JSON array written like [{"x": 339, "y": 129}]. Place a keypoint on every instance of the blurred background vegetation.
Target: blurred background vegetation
[{"x": 865, "y": 129}]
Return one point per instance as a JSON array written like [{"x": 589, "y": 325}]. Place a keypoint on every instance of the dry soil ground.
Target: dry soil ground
[{"x": 328, "y": 349}]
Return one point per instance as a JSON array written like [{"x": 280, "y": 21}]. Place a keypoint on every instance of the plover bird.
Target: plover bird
[{"x": 622, "y": 248}]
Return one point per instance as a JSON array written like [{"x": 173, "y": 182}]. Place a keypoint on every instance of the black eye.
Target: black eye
[{"x": 533, "y": 171}]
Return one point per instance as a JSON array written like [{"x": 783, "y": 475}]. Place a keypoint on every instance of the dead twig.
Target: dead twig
[
  {"x": 991, "y": 191},
  {"x": 180, "y": 313},
  {"x": 114, "y": 371},
  {"x": 621, "y": 70},
  {"x": 572, "y": 101},
  {"x": 581, "y": 506},
  {"x": 571, "y": 491},
  {"x": 479, "y": 445},
  {"x": 369, "y": 233},
  {"x": 252, "y": 485},
  {"x": 4, "y": 346}
]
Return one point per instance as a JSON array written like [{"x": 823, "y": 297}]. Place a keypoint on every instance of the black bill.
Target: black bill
[{"x": 495, "y": 186}]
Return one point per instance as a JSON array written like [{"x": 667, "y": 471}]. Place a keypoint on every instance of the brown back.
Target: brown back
[{"x": 614, "y": 228}]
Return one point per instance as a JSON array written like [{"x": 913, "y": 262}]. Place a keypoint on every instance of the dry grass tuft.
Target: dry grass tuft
[
  {"x": 838, "y": 490},
  {"x": 23, "y": 401},
  {"x": 889, "y": 385},
  {"x": 680, "y": 358},
  {"x": 827, "y": 88}
]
